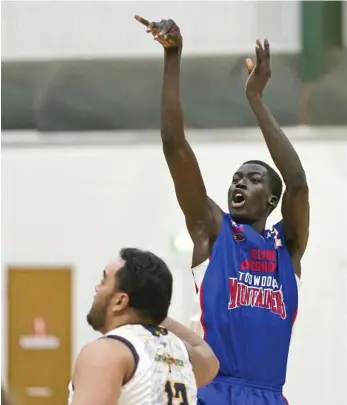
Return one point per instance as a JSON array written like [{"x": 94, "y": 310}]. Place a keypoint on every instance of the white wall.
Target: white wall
[
  {"x": 79, "y": 205},
  {"x": 64, "y": 29}
]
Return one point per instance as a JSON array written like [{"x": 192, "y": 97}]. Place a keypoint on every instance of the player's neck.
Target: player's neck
[
  {"x": 122, "y": 320},
  {"x": 258, "y": 226}
]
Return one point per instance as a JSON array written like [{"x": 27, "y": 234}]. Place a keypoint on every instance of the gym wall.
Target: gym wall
[
  {"x": 50, "y": 30},
  {"x": 77, "y": 205}
]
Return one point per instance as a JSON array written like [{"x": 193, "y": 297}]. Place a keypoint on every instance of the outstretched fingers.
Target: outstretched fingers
[
  {"x": 267, "y": 49},
  {"x": 152, "y": 27},
  {"x": 142, "y": 20},
  {"x": 259, "y": 52},
  {"x": 262, "y": 52},
  {"x": 267, "y": 54}
]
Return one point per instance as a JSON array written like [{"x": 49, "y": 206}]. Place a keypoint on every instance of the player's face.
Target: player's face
[
  {"x": 107, "y": 300},
  {"x": 249, "y": 193}
]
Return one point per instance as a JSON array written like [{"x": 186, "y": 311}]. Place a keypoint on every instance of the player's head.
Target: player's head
[
  {"x": 255, "y": 191},
  {"x": 135, "y": 289}
]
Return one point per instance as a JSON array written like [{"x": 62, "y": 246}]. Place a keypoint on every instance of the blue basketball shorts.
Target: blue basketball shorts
[{"x": 232, "y": 391}]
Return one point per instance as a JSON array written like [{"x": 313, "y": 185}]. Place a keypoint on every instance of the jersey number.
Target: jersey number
[{"x": 176, "y": 393}]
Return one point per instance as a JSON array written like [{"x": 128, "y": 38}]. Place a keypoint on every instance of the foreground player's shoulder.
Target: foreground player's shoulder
[
  {"x": 103, "y": 349},
  {"x": 101, "y": 364},
  {"x": 106, "y": 354}
]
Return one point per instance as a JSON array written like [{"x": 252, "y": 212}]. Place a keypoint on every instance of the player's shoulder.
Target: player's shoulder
[
  {"x": 138, "y": 335},
  {"x": 102, "y": 351},
  {"x": 102, "y": 346},
  {"x": 102, "y": 359}
]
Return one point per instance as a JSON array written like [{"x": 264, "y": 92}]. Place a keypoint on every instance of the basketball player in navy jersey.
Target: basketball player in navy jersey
[
  {"x": 143, "y": 357},
  {"x": 246, "y": 276}
]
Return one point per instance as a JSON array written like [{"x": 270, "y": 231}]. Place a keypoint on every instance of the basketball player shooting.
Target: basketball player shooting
[
  {"x": 137, "y": 361},
  {"x": 246, "y": 275}
]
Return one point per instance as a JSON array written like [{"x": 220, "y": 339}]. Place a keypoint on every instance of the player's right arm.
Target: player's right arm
[
  {"x": 203, "y": 222},
  {"x": 204, "y": 362}
]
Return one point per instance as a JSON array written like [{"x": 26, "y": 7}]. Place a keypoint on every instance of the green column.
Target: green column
[
  {"x": 333, "y": 24},
  {"x": 321, "y": 29}
]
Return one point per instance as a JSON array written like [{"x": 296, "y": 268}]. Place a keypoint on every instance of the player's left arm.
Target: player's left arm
[
  {"x": 100, "y": 370},
  {"x": 204, "y": 362},
  {"x": 295, "y": 203}
]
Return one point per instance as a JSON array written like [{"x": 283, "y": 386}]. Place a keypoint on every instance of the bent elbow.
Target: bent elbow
[
  {"x": 209, "y": 373},
  {"x": 214, "y": 368}
]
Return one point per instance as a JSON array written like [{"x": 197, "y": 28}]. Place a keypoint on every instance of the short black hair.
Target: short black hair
[
  {"x": 148, "y": 282},
  {"x": 275, "y": 180}
]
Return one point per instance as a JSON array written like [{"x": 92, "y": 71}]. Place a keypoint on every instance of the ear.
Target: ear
[
  {"x": 273, "y": 201},
  {"x": 119, "y": 302}
]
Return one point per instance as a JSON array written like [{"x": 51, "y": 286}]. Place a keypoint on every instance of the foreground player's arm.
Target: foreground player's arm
[
  {"x": 101, "y": 369},
  {"x": 205, "y": 363},
  {"x": 182, "y": 163},
  {"x": 295, "y": 203}
]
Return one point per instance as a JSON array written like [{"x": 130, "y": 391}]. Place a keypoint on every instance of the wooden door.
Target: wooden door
[{"x": 39, "y": 335}]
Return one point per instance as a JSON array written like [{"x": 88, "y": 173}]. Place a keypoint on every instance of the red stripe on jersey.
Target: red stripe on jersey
[{"x": 202, "y": 310}]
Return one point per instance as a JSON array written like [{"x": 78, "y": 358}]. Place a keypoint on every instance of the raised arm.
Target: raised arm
[
  {"x": 183, "y": 166},
  {"x": 295, "y": 203}
]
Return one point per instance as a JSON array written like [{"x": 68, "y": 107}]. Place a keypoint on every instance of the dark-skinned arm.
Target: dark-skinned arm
[
  {"x": 295, "y": 203},
  {"x": 183, "y": 166},
  {"x": 203, "y": 217}
]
